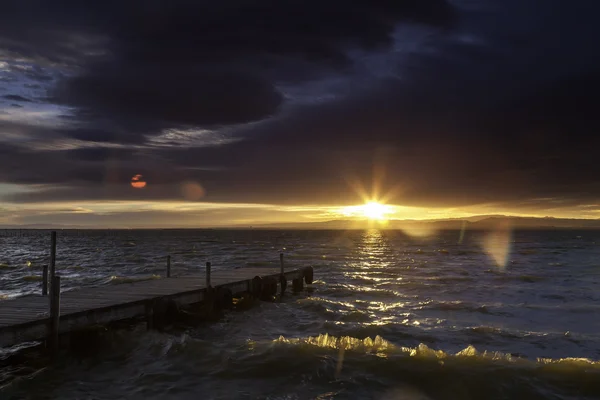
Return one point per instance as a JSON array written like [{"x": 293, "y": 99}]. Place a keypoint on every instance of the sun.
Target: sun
[
  {"x": 374, "y": 210},
  {"x": 371, "y": 210}
]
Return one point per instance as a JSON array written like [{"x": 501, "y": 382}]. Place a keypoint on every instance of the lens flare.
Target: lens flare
[
  {"x": 496, "y": 244},
  {"x": 192, "y": 191},
  {"x": 138, "y": 182}
]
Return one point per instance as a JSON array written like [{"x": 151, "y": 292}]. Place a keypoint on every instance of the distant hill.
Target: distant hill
[
  {"x": 41, "y": 226},
  {"x": 483, "y": 222}
]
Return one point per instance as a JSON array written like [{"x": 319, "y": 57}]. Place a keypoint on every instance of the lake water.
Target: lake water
[{"x": 448, "y": 315}]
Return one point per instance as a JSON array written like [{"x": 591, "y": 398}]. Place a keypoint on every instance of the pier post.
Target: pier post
[
  {"x": 54, "y": 313},
  {"x": 282, "y": 280},
  {"x": 308, "y": 275},
  {"x": 45, "y": 280},
  {"x": 208, "y": 274},
  {"x": 168, "y": 266},
  {"x": 297, "y": 285},
  {"x": 52, "y": 257}
]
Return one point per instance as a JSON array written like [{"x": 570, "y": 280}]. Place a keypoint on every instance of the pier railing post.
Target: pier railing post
[
  {"x": 54, "y": 313},
  {"x": 208, "y": 274},
  {"x": 168, "y": 266},
  {"x": 45, "y": 280},
  {"x": 52, "y": 270}
]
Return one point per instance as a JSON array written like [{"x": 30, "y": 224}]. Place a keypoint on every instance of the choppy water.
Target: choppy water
[{"x": 477, "y": 315}]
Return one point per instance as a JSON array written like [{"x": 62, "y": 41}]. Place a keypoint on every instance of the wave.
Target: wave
[
  {"x": 349, "y": 290},
  {"x": 459, "y": 306},
  {"x": 525, "y": 252},
  {"x": 577, "y": 308},
  {"x": 320, "y": 304},
  {"x": 75, "y": 267},
  {"x": 486, "y": 331},
  {"x": 553, "y": 297},
  {"x": 357, "y": 367},
  {"x": 32, "y": 278},
  {"x": 261, "y": 264},
  {"x": 468, "y": 252},
  {"x": 355, "y": 316},
  {"x": 382, "y": 347},
  {"x": 308, "y": 256},
  {"x": 520, "y": 278},
  {"x": 447, "y": 279}
]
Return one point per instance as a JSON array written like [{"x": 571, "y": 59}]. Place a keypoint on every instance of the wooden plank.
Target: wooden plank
[{"x": 12, "y": 319}]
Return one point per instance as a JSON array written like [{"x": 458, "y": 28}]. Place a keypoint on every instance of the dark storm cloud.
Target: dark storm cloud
[
  {"x": 109, "y": 135},
  {"x": 468, "y": 125},
  {"x": 199, "y": 63},
  {"x": 172, "y": 96},
  {"x": 498, "y": 107},
  {"x": 207, "y": 30},
  {"x": 92, "y": 166},
  {"x": 102, "y": 154},
  {"x": 16, "y": 97}
]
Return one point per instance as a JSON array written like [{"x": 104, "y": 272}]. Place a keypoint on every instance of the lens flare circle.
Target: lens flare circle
[{"x": 138, "y": 182}]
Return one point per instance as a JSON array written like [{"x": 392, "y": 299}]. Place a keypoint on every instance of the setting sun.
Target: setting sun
[
  {"x": 375, "y": 210},
  {"x": 371, "y": 210}
]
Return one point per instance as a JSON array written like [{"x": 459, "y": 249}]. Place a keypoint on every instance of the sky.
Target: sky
[{"x": 240, "y": 112}]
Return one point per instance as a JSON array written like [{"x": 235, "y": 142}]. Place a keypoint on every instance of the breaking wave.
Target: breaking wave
[{"x": 383, "y": 348}]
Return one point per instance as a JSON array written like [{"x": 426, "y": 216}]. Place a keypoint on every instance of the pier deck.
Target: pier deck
[{"x": 27, "y": 318}]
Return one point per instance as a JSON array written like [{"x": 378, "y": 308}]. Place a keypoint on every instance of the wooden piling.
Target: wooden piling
[
  {"x": 209, "y": 297},
  {"x": 54, "y": 313},
  {"x": 168, "y": 266},
  {"x": 297, "y": 285},
  {"x": 52, "y": 256},
  {"x": 45, "y": 280},
  {"x": 308, "y": 275},
  {"x": 282, "y": 280},
  {"x": 269, "y": 288},
  {"x": 208, "y": 275}
]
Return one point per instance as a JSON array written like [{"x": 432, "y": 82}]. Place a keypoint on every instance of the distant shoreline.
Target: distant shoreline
[{"x": 418, "y": 226}]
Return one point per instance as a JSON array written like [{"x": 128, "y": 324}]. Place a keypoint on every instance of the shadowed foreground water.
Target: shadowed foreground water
[{"x": 477, "y": 315}]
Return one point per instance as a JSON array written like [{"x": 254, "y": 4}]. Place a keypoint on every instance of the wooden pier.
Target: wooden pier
[{"x": 39, "y": 317}]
